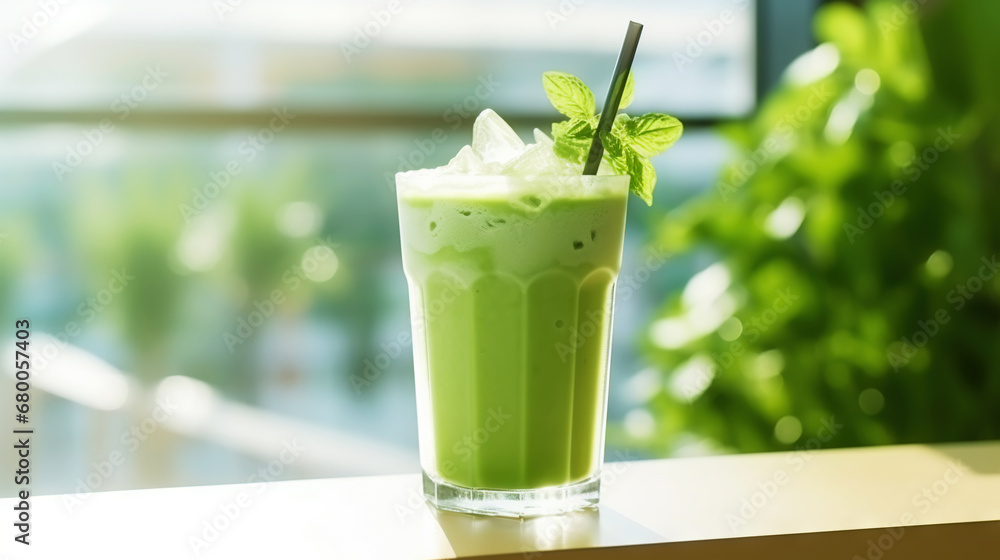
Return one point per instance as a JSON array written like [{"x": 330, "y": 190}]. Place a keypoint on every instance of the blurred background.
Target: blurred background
[{"x": 827, "y": 222}]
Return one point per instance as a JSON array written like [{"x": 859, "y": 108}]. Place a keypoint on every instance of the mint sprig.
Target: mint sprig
[
  {"x": 569, "y": 95},
  {"x": 627, "y": 146}
]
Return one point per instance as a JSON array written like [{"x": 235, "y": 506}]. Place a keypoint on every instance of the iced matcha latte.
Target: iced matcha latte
[
  {"x": 511, "y": 255},
  {"x": 511, "y": 265}
]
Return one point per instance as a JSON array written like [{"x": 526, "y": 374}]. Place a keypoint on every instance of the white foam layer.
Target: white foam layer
[
  {"x": 533, "y": 193},
  {"x": 466, "y": 234}
]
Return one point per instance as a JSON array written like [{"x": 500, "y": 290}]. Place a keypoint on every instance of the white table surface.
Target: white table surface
[{"x": 695, "y": 500}]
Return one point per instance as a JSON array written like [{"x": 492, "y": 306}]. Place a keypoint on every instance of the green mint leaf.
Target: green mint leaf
[
  {"x": 643, "y": 175},
  {"x": 573, "y": 150},
  {"x": 629, "y": 91},
  {"x": 618, "y": 126},
  {"x": 569, "y": 95},
  {"x": 652, "y": 133},
  {"x": 613, "y": 146},
  {"x": 573, "y": 138},
  {"x": 614, "y": 152}
]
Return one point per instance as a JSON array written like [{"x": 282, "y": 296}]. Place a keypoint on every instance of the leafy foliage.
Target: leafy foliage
[{"x": 857, "y": 236}]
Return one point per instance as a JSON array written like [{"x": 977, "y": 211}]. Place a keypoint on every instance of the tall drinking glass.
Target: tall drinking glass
[{"x": 511, "y": 284}]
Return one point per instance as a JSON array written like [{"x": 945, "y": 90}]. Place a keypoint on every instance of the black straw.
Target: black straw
[{"x": 614, "y": 99}]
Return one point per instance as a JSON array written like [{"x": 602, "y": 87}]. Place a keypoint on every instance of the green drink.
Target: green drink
[
  {"x": 511, "y": 281},
  {"x": 514, "y": 323},
  {"x": 511, "y": 255}
]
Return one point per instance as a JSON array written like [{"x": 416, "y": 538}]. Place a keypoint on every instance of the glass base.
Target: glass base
[{"x": 513, "y": 503}]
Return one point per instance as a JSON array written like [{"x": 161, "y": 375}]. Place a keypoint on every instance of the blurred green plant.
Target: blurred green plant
[
  {"x": 202, "y": 291},
  {"x": 857, "y": 234}
]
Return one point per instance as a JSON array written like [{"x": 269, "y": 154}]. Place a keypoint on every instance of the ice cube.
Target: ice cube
[
  {"x": 532, "y": 161},
  {"x": 465, "y": 162},
  {"x": 542, "y": 138},
  {"x": 539, "y": 159},
  {"x": 493, "y": 140}
]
